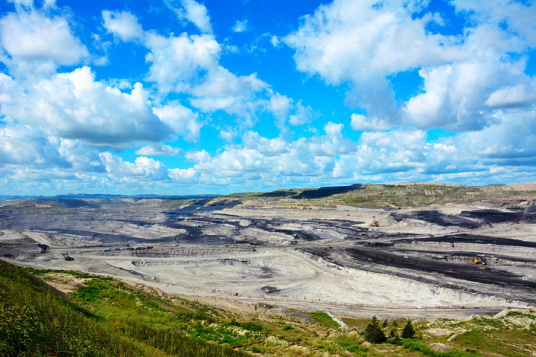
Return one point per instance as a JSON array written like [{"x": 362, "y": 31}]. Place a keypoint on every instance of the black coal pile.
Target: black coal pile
[
  {"x": 492, "y": 216},
  {"x": 270, "y": 289},
  {"x": 438, "y": 218}
]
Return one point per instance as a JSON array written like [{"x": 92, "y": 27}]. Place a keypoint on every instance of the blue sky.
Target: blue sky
[{"x": 185, "y": 96}]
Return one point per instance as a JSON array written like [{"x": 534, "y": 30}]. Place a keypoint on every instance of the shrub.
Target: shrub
[
  {"x": 409, "y": 331},
  {"x": 374, "y": 333},
  {"x": 287, "y": 328},
  {"x": 422, "y": 347}
]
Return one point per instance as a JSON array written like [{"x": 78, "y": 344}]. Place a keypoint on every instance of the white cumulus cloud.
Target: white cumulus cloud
[
  {"x": 361, "y": 44},
  {"x": 33, "y": 36},
  {"x": 240, "y": 26},
  {"x": 157, "y": 150},
  {"x": 182, "y": 120},
  {"x": 263, "y": 145},
  {"x": 146, "y": 169},
  {"x": 122, "y": 24},
  {"x": 22, "y": 145},
  {"x": 73, "y": 105},
  {"x": 177, "y": 63},
  {"x": 467, "y": 78},
  {"x": 192, "y": 11}
]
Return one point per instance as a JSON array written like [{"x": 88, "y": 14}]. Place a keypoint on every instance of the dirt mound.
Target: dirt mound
[{"x": 527, "y": 186}]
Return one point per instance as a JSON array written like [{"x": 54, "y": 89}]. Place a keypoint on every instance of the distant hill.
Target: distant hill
[
  {"x": 106, "y": 196},
  {"x": 386, "y": 195},
  {"x": 392, "y": 195}
]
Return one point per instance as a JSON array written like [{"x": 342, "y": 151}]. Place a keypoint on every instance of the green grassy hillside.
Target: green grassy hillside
[
  {"x": 37, "y": 320},
  {"x": 388, "y": 195}
]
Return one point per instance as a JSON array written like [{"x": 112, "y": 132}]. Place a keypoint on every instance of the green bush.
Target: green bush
[
  {"x": 422, "y": 347},
  {"x": 251, "y": 326},
  {"x": 374, "y": 333},
  {"x": 351, "y": 345},
  {"x": 393, "y": 337},
  {"x": 408, "y": 331}
]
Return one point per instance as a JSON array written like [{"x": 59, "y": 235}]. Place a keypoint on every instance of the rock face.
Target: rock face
[{"x": 479, "y": 256}]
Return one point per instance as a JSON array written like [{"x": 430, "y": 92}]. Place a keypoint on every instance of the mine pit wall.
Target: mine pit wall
[
  {"x": 17, "y": 241},
  {"x": 434, "y": 295},
  {"x": 412, "y": 291},
  {"x": 153, "y": 263},
  {"x": 22, "y": 251},
  {"x": 526, "y": 252},
  {"x": 467, "y": 258},
  {"x": 175, "y": 252}
]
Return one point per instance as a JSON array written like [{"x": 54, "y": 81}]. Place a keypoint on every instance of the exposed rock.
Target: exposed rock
[
  {"x": 440, "y": 347},
  {"x": 501, "y": 314}
]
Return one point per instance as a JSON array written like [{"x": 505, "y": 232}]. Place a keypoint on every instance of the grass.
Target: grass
[
  {"x": 512, "y": 335},
  {"x": 324, "y": 319},
  {"x": 353, "y": 346},
  {"x": 36, "y": 320},
  {"x": 507, "y": 343},
  {"x": 422, "y": 347},
  {"x": 385, "y": 195}
]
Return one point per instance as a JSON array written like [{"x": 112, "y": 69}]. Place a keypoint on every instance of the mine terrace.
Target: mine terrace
[{"x": 419, "y": 250}]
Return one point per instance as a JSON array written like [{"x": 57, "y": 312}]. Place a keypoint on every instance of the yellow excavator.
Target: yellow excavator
[{"x": 478, "y": 260}]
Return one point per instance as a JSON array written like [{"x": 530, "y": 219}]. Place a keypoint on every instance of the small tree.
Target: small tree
[
  {"x": 409, "y": 331},
  {"x": 374, "y": 333},
  {"x": 393, "y": 337}
]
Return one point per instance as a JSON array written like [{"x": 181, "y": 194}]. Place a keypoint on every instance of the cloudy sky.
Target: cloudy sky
[{"x": 192, "y": 96}]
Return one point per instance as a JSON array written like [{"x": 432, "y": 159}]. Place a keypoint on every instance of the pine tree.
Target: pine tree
[
  {"x": 393, "y": 337},
  {"x": 374, "y": 333},
  {"x": 409, "y": 331}
]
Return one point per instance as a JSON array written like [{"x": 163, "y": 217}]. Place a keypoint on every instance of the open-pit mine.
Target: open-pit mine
[{"x": 415, "y": 250}]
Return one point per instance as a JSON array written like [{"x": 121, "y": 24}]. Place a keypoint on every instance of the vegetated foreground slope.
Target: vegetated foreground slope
[
  {"x": 102, "y": 316},
  {"x": 37, "y": 320}
]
